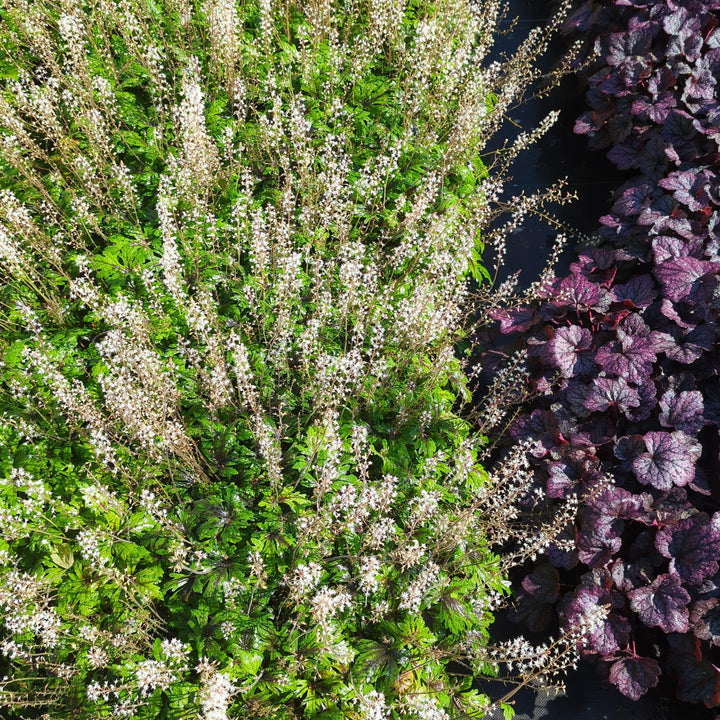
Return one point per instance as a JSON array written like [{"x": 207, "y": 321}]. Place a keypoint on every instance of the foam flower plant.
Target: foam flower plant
[{"x": 235, "y": 245}]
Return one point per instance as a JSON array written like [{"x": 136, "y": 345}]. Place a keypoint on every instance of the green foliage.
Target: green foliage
[{"x": 237, "y": 482}]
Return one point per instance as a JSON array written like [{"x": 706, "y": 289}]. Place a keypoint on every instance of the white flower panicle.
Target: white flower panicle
[{"x": 216, "y": 691}]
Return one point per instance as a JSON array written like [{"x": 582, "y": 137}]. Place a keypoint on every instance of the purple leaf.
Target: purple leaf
[
  {"x": 633, "y": 200},
  {"x": 561, "y": 481},
  {"x": 629, "y": 447},
  {"x": 684, "y": 31},
  {"x": 632, "y": 356},
  {"x": 659, "y": 211},
  {"x": 608, "y": 392},
  {"x": 710, "y": 587},
  {"x": 618, "y": 46},
  {"x": 612, "y": 635},
  {"x": 661, "y": 81},
  {"x": 682, "y": 411},
  {"x": 662, "y": 604},
  {"x": 583, "y": 18},
  {"x": 535, "y": 603},
  {"x": 641, "y": 552},
  {"x": 576, "y": 290},
  {"x": 705, "y": 620},
  {"x": 638, "y": 292},
  {"x": 565, "y": 351},
  {"x": 699, "y": 680},
  {"x": 573, "y": 397},
  {"x": 692, "y": 345},
  {"x": 609, "y": 636},
  {"x": 599, "y": 537},
  {"x": 595, "y": 260},
  {"x": 692, "y": 546},
  {"x": 616, "y": 502},
  {"x": 516, "y": 320},
  {"x": 700, "y": 482},
  {"x": 625, "y": 157},
  {"x": 543, "y": 583},
  {"x": 541, "y": 428},
  {"x": 628, "y": 575},
  {"x": 669, "y": 460},
  {"x": 670, "y": 311},
  {"x": 648, "y": 402},
  {"x": 656, "y": 111},
  {"x": 678, "y": 134},
  {"x": 672, "y": 506},
  {"x": 653, "y": 160},
  {"x": 592, "y": 435},
  {"x": 669, "y": 247},
  {"x": 680, "y": 277},
  {"x": 680, "y": 22},
  {"x": 634, "y": 676},
  {"x": 688, "y": 187},
  {"x": 588, "y": 122},
  {"x": 699, "y": 86}
]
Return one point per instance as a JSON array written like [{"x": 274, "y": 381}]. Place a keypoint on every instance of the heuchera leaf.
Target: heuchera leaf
[
  {"x": 693, "y": 344},
  {"x": 678, "y": 133},
  {"x": 693, "y": 546},
  {"x": 628, "y": 575},
  {"x": 700, "y": 88},
  {"x": 634, "y": 676},
  {"x": 669, "y": 459},
  {"x": 684, "y": 347},
  {"x": 607, "y": 637},
  {"x": 573, "y": 398},
  {"x": 565, "y": 351},
  {"x": 653, "y": 160},
  {"x": 633, "y": 355},
  {"x": 616, "y": 502},
  {"x": 680, "y": 23},
  {"x": 624, "y": 156},
  {"x": 633, "y": 365},
  {"x": 610, "y": 636},
  {"x": 638, "y": 292},
  {"x": 633, "y": 200},
  {"x": 576, "y": 290},
  {"x": 648, "y": 402},
  {"x": 582, "y": 18},
  {"x": 681, "y": 278},
  {"x": 516, "y": 320},
  {"x": 662, "y": 604},
  {"x": 654, "y": 216},
  {"x": 711, "y": 587},
  {"x": 699, "y": 680},
  {"x": 535, "y": 605},
  {"x": 629, "y": 447},
  {"x": 705, "y": 620},
  {"x": 543, "y": 583},
  {"x": 688, "y": 187},
  {"x": 561, "y": 480},
  {"x": 682, "y": 411},
  {"x": 609, "y": 392},
  {"x": 541, "y": 428},
  {"x": 599, "y": 537},
  {"x": 669, "y": 247}
]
